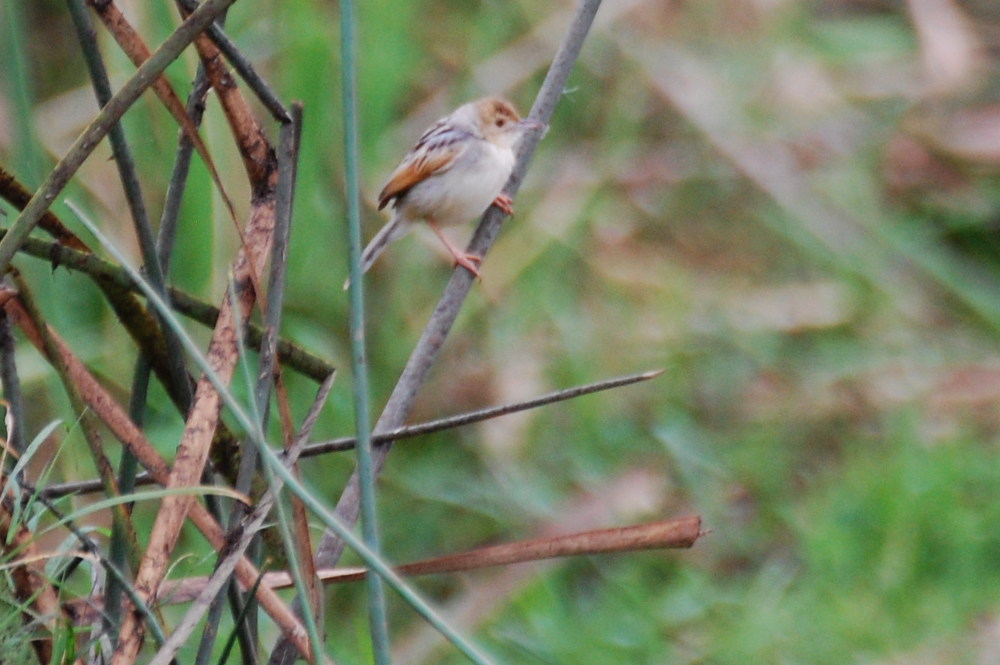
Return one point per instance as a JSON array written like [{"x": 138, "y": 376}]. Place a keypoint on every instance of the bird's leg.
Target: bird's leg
[
  {"x": 468, "y": 261},
  {"x": 505, "y": 203}
]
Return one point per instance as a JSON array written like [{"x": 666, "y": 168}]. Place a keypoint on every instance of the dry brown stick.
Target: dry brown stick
[
  {"x": 135, "y": 48},
  {"x": 88, "y": 420},
  {"x": 116, "y": 419},
  {"x": 193, "y": 450},
  {"x": 294, "y": 445},
  {"x": 18, "y": 195},
  {"x": 679, "y": 533},
  {"x": 301, "y": 532},
  {"x": 223, "y": 352},
  {"x": 259, "y": 158},
  {"x": 270, "y": 377},
  {"x": 257, "y": 153}
]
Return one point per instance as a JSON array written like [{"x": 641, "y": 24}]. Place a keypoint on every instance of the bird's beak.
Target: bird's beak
[{"x": 529, "y": 124}]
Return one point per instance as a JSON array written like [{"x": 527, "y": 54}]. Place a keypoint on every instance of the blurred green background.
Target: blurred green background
[{"x": 791, "y": 207}]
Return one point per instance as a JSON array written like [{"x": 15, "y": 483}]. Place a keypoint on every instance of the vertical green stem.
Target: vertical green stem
[{"x": 369, "y": 525}]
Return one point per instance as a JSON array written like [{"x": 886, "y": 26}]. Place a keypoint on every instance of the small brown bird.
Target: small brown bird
[{"x": 452, "y": 174}]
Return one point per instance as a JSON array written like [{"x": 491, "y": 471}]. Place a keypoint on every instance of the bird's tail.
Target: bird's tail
[{"x": 396, "y": 228}]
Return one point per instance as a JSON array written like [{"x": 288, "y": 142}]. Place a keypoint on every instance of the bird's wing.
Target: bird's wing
[{"x": 434, "y": 153}]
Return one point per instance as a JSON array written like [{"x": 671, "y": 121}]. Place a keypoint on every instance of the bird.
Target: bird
[{"x": 452, "y": 174}]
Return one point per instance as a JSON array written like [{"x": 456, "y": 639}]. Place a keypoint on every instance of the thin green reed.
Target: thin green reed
[{"x": 359, "y": 368}]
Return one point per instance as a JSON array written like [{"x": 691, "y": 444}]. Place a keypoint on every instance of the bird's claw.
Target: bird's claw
[
  {"x": 505, "y": 203},
  {"x": 470, "y": 262}
]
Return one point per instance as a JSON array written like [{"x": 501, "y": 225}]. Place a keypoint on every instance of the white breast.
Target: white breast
[{"x": 464, "y": 190}]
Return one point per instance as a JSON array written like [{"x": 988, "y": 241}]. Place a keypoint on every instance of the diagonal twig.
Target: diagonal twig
[
  {"x": 18, "y": 195},
  {"x": 244, "y": 68},
  {"x": 408, "y": 432},
  {"x": 411, "y": 431}
]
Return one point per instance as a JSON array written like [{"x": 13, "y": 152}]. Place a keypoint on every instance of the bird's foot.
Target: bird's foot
[
  {"x": 470, "y": 262},
  {"x": 505, "y": 203},
  {"x": 467, "y": 260}
]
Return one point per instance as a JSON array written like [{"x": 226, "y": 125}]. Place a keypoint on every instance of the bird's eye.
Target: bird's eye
[{"x": 500, "y": 122}]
